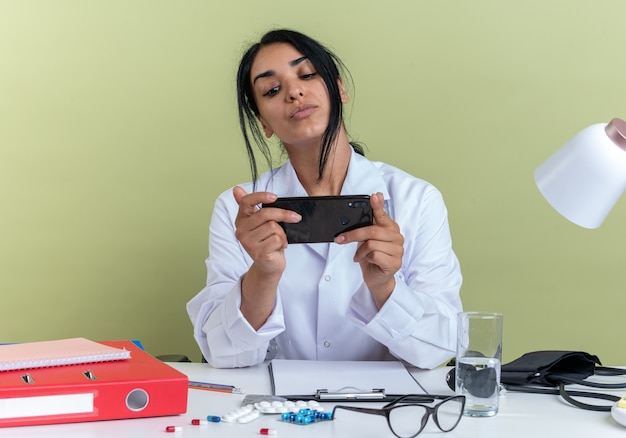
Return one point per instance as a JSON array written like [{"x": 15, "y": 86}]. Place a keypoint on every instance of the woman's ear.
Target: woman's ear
[
  {"x": 342, "y": 91},
  {"x": 266, "y": 128}
]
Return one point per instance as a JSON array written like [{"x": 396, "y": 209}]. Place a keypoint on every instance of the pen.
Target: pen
[
  {"x": 206, "y": 386},
  {"x": 210, "y": 385}
]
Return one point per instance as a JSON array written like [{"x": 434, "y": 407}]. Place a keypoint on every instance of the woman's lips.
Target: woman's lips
[{"x": 302, "y": 111}]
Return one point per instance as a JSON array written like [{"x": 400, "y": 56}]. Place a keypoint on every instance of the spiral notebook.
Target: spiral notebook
[{"x": 57, "y": 353}]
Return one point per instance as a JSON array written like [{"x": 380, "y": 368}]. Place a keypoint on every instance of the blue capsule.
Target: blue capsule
[
  {"x": 306, "y": 416},
  {"x": 322, "y": 415}
]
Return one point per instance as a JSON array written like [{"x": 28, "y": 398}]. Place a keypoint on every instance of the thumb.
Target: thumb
[
  {"x": 239, "y": 193},
  {"x": 377, "y": 201}
]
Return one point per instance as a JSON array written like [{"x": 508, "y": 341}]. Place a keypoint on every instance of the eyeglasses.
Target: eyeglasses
[{"x": 407, "y": 419}]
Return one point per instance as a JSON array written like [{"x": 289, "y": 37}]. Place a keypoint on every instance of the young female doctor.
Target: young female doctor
[{"x": 386, "y": 291}]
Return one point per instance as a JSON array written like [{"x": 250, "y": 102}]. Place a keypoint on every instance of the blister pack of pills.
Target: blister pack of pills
[
  {"x": 296, "y": 412},
  {"x": 306, "y": 416},
  {"x": 244, "y": 414},
  {"x": 281, "y": 407}
]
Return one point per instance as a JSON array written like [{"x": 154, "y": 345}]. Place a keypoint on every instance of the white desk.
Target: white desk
[{"x": 521, "y": 415}]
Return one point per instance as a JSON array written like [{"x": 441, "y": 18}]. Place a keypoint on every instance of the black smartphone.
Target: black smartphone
[{"x": 324, "y": 217}]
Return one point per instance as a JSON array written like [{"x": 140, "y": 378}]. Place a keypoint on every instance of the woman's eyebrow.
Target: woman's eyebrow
[
  {"x": 298, "y": 61},
  {"x": 269, "y": 73}
]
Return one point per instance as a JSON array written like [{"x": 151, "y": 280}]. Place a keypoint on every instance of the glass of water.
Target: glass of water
[{"x": 478, "y": 356}]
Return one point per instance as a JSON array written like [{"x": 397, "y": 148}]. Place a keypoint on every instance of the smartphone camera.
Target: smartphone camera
[{"x": 358, "y": 204}]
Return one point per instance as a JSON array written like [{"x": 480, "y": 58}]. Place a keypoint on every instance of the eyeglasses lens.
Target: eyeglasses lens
[
  {"x": 407, "y": 421},
  {"x": 448, "y": 413}
]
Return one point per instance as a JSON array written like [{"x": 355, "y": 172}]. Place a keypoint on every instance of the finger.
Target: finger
[
  {"x": 248, "y": 203},
  {"x": 379, "y": 253},
  {"x": 377, "y": 231},
  {"x": 387, "y": 231},
  {"x": 279, "y": 215},
  {"x": 377, "y": 201},
  {"x": 264, "y": 218},
  {"x": 258, "y": 234},
  {"x": 266, "y": 238},
  {"x": 385, "y": 263},
  {"x": 239, "y": 193}
]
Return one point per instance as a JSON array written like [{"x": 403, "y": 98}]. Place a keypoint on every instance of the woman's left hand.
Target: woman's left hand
[{"x": 379, "y": 251}]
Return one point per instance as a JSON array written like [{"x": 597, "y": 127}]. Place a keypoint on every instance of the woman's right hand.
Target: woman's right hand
[
  {"x": 265, "y": 241},
  {"x": 258, "y": 231}
]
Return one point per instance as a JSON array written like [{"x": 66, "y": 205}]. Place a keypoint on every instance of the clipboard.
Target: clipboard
[{"x": 341, "y": 381}]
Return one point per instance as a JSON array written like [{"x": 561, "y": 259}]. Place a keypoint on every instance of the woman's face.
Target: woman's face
[{"x": 291, "y": 97}]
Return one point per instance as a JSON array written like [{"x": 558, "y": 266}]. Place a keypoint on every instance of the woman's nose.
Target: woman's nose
[{"x": 295, "y": 92}]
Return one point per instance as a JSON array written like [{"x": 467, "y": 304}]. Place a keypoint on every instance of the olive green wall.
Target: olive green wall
[{"x": 118, "y": 129}]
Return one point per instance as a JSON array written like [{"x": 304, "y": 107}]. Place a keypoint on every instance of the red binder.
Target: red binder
[{"x": 141, "y": 386}]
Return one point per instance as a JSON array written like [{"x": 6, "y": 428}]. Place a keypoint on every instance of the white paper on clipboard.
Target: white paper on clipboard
[{"x": 308, "y": 376}]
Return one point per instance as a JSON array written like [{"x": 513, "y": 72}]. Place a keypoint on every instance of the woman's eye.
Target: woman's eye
[
  {"x": 308, "y": 75},
  {"x": 271, "y": 92}
]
